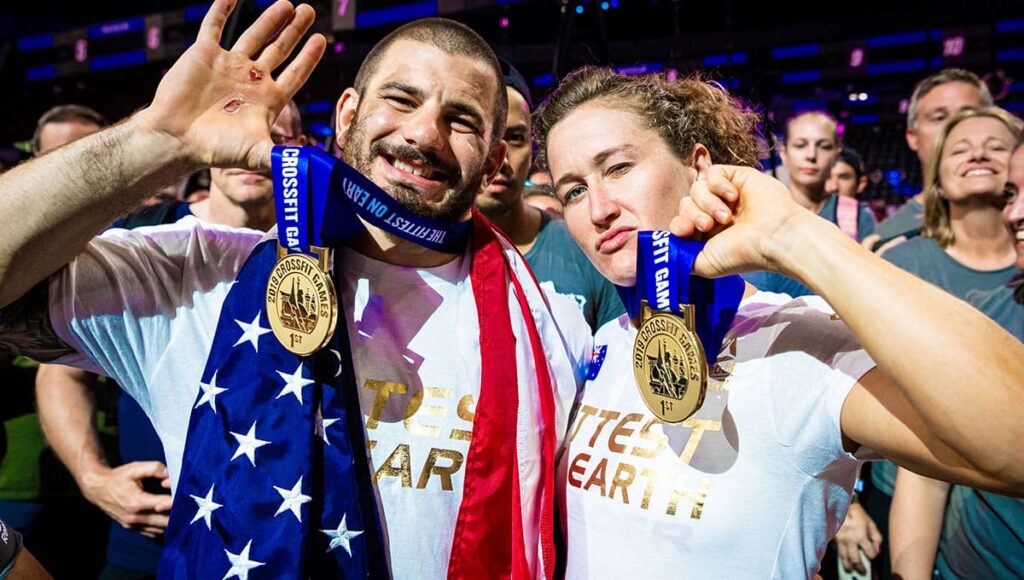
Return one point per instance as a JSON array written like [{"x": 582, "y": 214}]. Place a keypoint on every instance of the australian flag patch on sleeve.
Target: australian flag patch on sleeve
[{"x": 596, "y": 361}]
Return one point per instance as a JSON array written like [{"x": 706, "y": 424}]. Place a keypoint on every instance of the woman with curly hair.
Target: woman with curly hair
[{"x": 756, "y": 480}]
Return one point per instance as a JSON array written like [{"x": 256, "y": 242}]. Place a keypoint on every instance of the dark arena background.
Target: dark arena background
[
  {"x": 789, "y": 494},
  {"x": 857, "y": 60}
]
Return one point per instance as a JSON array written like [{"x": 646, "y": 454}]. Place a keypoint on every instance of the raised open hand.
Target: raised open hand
[{"x": 219, "y": 105}]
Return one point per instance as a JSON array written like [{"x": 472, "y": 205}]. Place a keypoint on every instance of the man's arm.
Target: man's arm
[
  {"x": 214, "y": 107},
  {"x": 915, "y": 524},
  {"x": 930, "y": 347},
  {"x": 25, "y": 327},
  {"x": 26, "y": 567},
  {"x": 67, "y": 412},
  {"x": 16, "y": 563}
]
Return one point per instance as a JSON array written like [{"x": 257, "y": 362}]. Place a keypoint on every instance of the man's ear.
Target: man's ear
[
  {"x": 495, "y": 159},
  {"x": 862, "y": 183},
  {"x": 344, "y": 113},
  {"x": 912, "y": 140}
]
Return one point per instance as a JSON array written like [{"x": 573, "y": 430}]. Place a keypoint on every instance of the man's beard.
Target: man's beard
[{"x": 457, "y": 199}]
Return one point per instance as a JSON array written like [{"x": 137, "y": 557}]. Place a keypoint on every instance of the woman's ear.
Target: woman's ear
[{"x": 701, "y": 159}]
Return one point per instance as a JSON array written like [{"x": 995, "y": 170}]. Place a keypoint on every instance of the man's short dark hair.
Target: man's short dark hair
[
  {"x": 67, "y": 114},
  {"x": 850, "y": 157},
  {"x": 452, "y": 38}
]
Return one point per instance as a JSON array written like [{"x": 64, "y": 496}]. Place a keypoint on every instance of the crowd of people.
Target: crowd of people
[{"x": 477, "y": 412}]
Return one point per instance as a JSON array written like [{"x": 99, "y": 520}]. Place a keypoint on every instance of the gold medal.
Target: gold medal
[
  {"x": 669, "y": 365},
  {"x": 301, "y": 303}
]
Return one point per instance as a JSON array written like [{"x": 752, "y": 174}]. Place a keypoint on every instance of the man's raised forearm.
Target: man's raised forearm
[
  {"x": 56, "y": 203},
  {"x": 214, "y": 107}
]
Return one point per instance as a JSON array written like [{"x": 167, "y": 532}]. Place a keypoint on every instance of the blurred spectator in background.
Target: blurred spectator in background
[
  {"x": 542, "y": 198},
  {"x": 558, "y": 263},
  {"x": 936, "y": 98},
  {"x": 964, "y": 245},
  {"x": 811, "y": 147},
  {"x": 539, "y": 177},
  {"x": 64, "y": 124},
  {"x": 37, "y": 495},
  {"x": 847, "y": 178}
]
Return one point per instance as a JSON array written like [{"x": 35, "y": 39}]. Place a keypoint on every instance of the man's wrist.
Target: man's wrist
[
  {"x": 91, "y": 476},
  {"x": 167, "y": 148},
  {"x": 858, "y": 486}
]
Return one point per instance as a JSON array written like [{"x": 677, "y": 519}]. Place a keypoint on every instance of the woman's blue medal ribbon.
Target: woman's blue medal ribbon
[{"x": 681, "y": 319}]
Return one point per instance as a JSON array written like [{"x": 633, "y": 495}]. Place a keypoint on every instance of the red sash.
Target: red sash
[{"x": 489, "y": 539}]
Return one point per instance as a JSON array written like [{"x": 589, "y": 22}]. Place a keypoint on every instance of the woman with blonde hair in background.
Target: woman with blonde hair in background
[{"x": 968, "y": 250}]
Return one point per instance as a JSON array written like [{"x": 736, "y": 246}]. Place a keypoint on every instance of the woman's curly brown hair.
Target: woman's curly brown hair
[{"x": 685, "y": 112}]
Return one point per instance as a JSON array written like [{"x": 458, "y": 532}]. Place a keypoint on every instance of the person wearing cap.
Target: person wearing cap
[{"x": 558, "y": 263}]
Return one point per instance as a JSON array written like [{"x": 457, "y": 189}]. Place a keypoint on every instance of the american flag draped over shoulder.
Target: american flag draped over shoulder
[
  {"x": 269, "y": 431},
  {"x": 275, "y": 481}
]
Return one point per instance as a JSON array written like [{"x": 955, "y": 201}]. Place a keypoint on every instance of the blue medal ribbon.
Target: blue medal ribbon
[
  {"x": 319, "y": 200},
  {"x": 664, "y": 266}
]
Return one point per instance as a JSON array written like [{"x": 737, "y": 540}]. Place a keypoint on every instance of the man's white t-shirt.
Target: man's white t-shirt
[
  {"x": 142, "y": 306},
  {"x": 751, "y": 486}
]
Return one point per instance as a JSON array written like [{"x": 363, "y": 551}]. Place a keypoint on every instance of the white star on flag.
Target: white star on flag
[
  {"x": 341, "y": 536},
  {"x": 206, "y": 507},
  {"x": 248, "y": 444},
  {"x": 293, "y": 499},
  {"x": 322, "y": 425},
  {"x": 210, "y": 392},
  {"x": 241, "y": 564},
  {"x": 251, "y": 332},
  {"x": 293, "y": 384}
]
